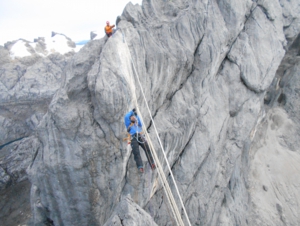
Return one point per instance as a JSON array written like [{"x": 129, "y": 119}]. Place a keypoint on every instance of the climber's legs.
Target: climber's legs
[
  {"x": 136, "y": 153},
  {"x": 110, "y": 34},
  {"x": 145, "y": 146}
]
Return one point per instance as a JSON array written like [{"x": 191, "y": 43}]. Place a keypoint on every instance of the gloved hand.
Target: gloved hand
[{"x": 134, "y": 111}]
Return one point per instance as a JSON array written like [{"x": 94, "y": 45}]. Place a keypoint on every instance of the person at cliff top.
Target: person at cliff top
[
  {"x": 134, "y": 128},
  {"x": 109, "y": 31}
]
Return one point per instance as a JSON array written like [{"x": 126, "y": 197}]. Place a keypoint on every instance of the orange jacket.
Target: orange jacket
[{"x": 108, "y": 29}]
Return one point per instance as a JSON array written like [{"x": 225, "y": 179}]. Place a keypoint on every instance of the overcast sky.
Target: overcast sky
[{"x": 30, "y": 19}]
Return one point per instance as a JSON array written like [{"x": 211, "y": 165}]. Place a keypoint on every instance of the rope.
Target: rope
[
  {"x": 159, "y": 167},
  {"x": 163, "y": 179}
]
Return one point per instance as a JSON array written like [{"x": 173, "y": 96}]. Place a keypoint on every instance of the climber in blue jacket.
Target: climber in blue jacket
[{"x": 134, "y": 128}]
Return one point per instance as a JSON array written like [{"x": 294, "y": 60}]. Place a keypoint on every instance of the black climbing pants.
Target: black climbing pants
[{"x": 136, "y": 141}]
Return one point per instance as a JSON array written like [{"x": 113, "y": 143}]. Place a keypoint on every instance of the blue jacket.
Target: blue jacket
[{"x": 137, "y": 127}]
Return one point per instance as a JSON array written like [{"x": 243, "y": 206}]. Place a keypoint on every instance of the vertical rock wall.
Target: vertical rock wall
[{"x": 205, "y": 67}]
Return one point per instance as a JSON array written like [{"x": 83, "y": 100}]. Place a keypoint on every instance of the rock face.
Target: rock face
[
  {"x": 26, "y": 89},
  {"x": 129, "y": 213},
  {"x": 274, "y": 188},
  {"x": 274, "y": 167},
  {"x": 221, "y": 81}
]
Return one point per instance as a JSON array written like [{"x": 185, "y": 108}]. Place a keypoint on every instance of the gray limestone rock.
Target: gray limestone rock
[
  {"x": 217, "y": 59},
  {"x": 205, "y": 68},
  {"x": 15, "y": 159},
  {"x": 26, "y": 89},
  {"x": 128, "y": 213},
  {"x": 93, "y": 34},
  {"x": 15, "y": 204},
  {"x": 4, "y": 56},
  {"x": 26, "y": 92},
  {"x": 4, "y": 181}
]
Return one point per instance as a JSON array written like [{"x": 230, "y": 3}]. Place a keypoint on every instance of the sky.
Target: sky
[{"x": 29, "y": 19}]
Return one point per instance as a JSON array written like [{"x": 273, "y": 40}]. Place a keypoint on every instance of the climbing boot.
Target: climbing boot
[{"x": 142, "y": 170}]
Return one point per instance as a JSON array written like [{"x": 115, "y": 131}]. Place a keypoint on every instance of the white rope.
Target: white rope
[{"x": 162, "y": 175}]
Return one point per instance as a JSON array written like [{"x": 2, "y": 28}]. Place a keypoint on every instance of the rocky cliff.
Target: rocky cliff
[
  {"x": 221, "y": 81},
  {"x": 27, "y": 86}
]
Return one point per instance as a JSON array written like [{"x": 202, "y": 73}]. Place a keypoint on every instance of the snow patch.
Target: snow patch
[
  {"x": 58, "y": 43},
  {"x": 43, "y": 47},
  {"x": 78, "y": 47},
  {"x": 19, "y": 49}
]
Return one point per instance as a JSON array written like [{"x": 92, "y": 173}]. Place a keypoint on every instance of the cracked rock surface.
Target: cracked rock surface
[
  {"x": 221, "y": 82},
  {"x": 27, "y": 86},
  {"x": 129, "y": 213}
]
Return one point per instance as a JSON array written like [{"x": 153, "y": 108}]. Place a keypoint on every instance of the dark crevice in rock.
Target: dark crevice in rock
[
  {"x": 221, "y": 66},
  {"x": 234, "y": 113},
  {"x": 98, "y": 124},
  {"x": 121, "y": 220},
  {"x": 10, "y": 142},
  {"x": 287, "y": 26},
  {"x": 275, "y": 93},
  {"x": 282, "y": 99},
  {"x": 248, "y": 87},
  {"x": 230, "y": 60},
  {"x": 121, "y": 151},
  {"x": 162, "y": 201},
  {"x": 198, "y": 45},
  {"x": 265, "y": 11},
  {"x": 224, "y": 201},
  {"x": 153, "y": 116},
  {"x": 223, "y": 124},
  {"x": 295, "y": 46},
  {"x": 11, "y": 178},
  {"x": 34, "y": 157},
  {"x": 229, "y": 185},
  {"x": 200, "y": 167},
  {"x": 49, "y": 222},
  {"x": 183, "y": 150}
]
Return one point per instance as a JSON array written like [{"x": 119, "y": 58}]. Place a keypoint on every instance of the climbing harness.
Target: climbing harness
[{"x": 160, "y": 171}]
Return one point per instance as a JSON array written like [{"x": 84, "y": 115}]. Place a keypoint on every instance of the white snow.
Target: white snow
[
  {"x": 19, "y": 50},
  {"x": 78, "y": 47},
  {"x": 58, "y": 43},
  {"x": 33, "y": 45}
]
